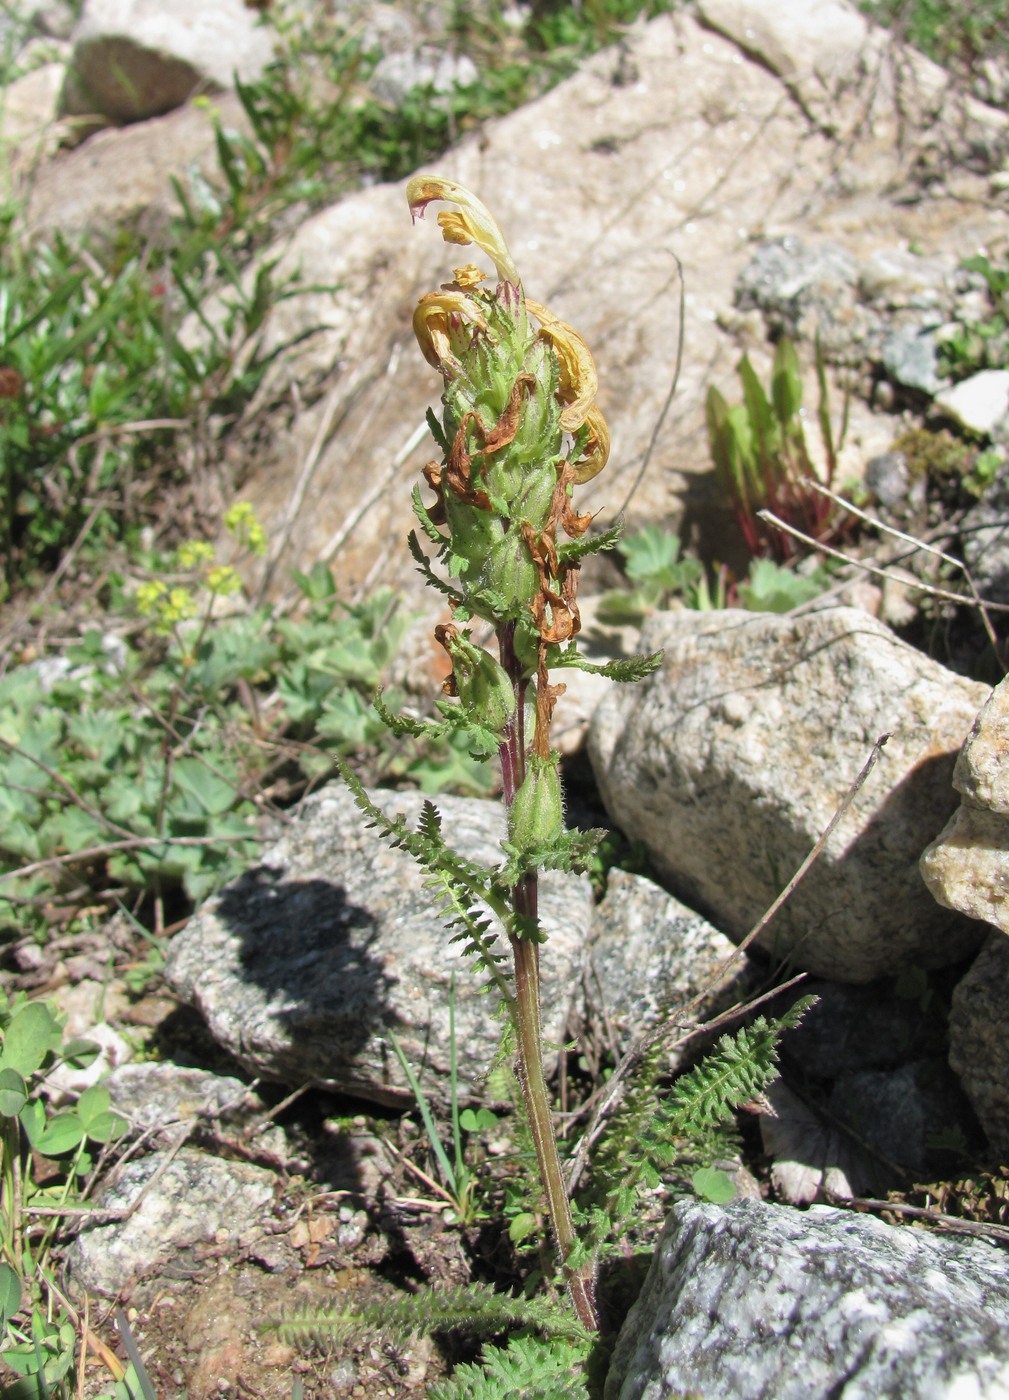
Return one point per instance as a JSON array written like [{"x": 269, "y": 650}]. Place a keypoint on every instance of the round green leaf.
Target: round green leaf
[
  {"x": 13, "y": 1093},
  {"x": 61, "y": 1134},
  {"x": 32, "y": 1033},
  {"x": 714, "y": 1185},
  {"x": 79, "y": 1053},
  {"x": 10, "y": 1294},
  {"x": 521, "y": 1226}
]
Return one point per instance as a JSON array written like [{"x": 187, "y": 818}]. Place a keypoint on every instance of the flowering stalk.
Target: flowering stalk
[{"x": 519, "y": 430}]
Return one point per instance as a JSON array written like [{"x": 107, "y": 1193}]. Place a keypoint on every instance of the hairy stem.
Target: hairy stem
[{"x": 525, "y": 953}]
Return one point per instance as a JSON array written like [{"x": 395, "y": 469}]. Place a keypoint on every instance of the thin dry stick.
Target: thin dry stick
[
  {"x": 137, "y": 843},
  {"x": 297, "y": 498},
  {"x": 68, "y": 791},
  {"x": 650, "y": 1039},
  {"x": 365, "y": 504},
  {"x": 948, "y": 1222},
  {"x": 916, "y": 545},
  {"x": 819, "y": 547},
  {"x": 668, "y": 402}
]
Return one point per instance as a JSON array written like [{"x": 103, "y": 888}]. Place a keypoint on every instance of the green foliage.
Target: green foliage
[
  {"x": 958, "y": 35},
  {"x": 714, "y": 1185},
  {"x": 473, "y": 1307},
  {"x": 458, "y": 1178},
  {"x": 97, "y": 386},
  {"x": 661, "y": 576},
  {"x": 652, "y": 1133},
  {"x": 37, "y": 1340},
  {"x": 135, "y": 1385},
  {"x": 771, "y": 588},
  {"x": 143, "y": 760},
  {"x": 548, "y": 1368},
  {"x": 761, "y": 456},
  {"x": 652, "y": 562},
  {"x": 982, "y": 344}
]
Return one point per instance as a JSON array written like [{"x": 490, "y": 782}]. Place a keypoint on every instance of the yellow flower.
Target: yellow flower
[
  {"x": 222, "y": 579},
  {"x": 474, "y": 222},
  {"x": 597, "y": 448},
  {"x": 436, "y": 316},
  {"x": 241, "y": 520},
  {"x": 578, "y": 379},
  {"x": 192, "y": 553},
  {"x": 445, "y": 323},
  {"x": 148, "y": 597}
]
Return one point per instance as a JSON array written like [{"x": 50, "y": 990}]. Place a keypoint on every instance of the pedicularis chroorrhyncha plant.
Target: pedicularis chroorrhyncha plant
[{"x": 519, "y": 430}]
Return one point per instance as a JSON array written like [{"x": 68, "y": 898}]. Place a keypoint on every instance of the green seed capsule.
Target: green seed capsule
[
  {"x": 481, "y": 683},
  {"x": 536, "y": 816}
]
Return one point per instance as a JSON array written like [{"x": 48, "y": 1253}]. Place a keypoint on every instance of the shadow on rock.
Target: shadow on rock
[{"x": 306, "y": 989}]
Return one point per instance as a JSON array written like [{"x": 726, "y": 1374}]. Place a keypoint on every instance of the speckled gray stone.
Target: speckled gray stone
[
  {"x": 761, "y": 1302},
  {"x": 651, "y": 955},
  {"x": 731, "y": 760},
  {"x": 196, "y": 1200},
  {"x": 898, "y": 1113},
  {"x": 804, "y": 291},
  {"x": 967, "y": 866},
  {"x": 979, "y": 1039},
  {"x": 301, "y": 964}
]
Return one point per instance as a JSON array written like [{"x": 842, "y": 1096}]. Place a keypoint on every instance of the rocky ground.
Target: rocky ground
[{"x": 795, "y": 174}]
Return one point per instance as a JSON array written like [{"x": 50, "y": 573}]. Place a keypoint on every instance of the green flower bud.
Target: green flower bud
[
  {"x": 536, "y": 816},
  {"x": 481, "y": 683}
]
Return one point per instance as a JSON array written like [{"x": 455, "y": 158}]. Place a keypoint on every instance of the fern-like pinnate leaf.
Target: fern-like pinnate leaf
[
  {"x": 735, "y": 1071},
  {"x": 437, "y": 431},
  {"x": 571, "y": 551},
  {"x": 625, "y": 669},
  {"x": 424, "y": 565},
  {"x": 572, "y": 850},
  {"x": 458, "y": 884},
  {"x": 648, "y": 1135},
  {"x": 529, "y": 1368},
  {"x": 473, "y": 1308},
  {"x": 405, "y": 726}
]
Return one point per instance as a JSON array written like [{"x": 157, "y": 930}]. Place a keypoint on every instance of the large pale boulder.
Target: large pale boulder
[
  {"x": 809, "y": 43},
  {"x": 755, "y": 1300},
  {"x": 676, "y": 145},
  {"x": 125, "y": 176},
  {"x": 967, "y": 866},
  {"x": 301, "y": 965},
  {"x": 139, "y": 58},
  {"x": 731, "y": 760}
]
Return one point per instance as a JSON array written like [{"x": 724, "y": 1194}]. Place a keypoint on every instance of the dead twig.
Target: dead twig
[
  {"x": 877, "y": 571},
  {"x": 952, "y": 1223}
]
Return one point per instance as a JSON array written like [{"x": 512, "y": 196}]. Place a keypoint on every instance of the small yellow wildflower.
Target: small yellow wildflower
[
  {"x": 149, "y": 596},
  {"x": 223, "y": 580},
  {"x": 192, "y": 553},
  {"x": 244, "y": 524}
]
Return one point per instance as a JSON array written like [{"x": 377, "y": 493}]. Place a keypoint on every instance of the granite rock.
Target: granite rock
[
  {"x": 299, "y": 965},
  {"x": 967, "y": 866},
  {"x": 177, "y": 1203},
  {"x": 651, "y": 956},
  {"x": 752, "y": 1301},
  {"x": 979, "y": 1039},
  {"x": 139, "y": 58},
  {"x": 730, "y": 761},
  {"x": 979, "y": 403}
]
